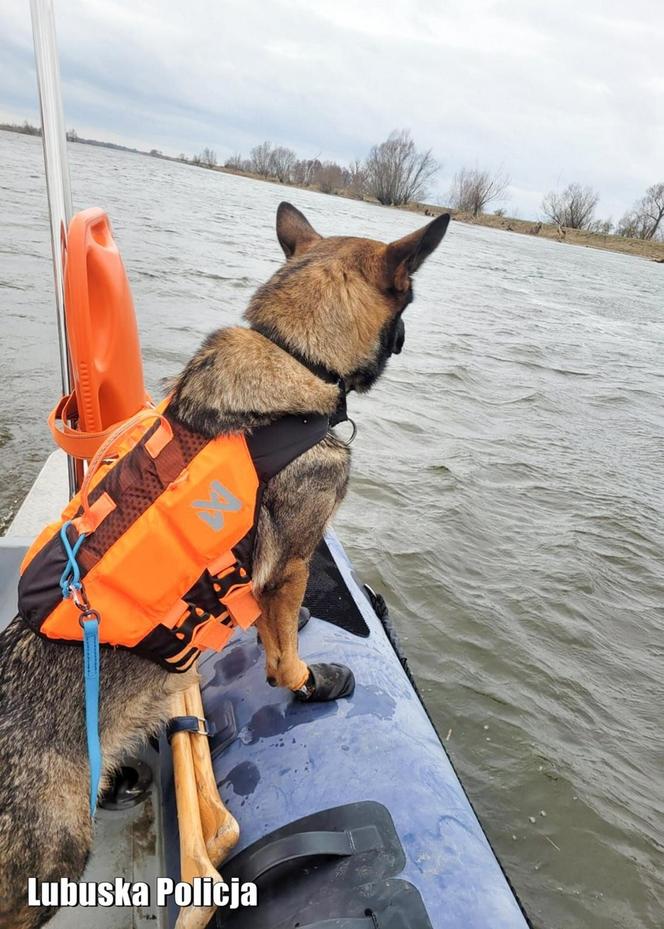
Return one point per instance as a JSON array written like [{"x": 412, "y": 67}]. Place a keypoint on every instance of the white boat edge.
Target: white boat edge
[
  {"x": 128, "y": 843},
  {"x": 44, "y": 501}
]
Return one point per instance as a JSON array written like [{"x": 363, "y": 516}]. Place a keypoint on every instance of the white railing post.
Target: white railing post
[{"x": 57, "y": 172}]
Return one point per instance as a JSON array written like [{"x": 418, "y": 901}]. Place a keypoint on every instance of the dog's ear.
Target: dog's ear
[
  {"x": 404, "y": 257},
  {"x": 295, "y": 233}
]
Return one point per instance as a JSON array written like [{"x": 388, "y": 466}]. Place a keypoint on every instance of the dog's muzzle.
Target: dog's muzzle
[{"x": 399, "y": 337}]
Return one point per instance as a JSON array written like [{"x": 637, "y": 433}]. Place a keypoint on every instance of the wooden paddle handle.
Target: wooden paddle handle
[
  {"x": 194, "y": 859},
  {"x": 220, "y": 829}
]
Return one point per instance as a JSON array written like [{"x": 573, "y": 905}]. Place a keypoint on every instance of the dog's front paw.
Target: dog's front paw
[{"x": 327, "y": 682}]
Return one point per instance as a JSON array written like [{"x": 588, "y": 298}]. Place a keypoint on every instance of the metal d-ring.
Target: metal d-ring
[
  {"x": 348, "y": 442},
  {"x": 87, "y": 615}
]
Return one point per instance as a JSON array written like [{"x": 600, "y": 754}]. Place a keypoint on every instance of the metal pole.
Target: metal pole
[{"x": 57, "y": 173}]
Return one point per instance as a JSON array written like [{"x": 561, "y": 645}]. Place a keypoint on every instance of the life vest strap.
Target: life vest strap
[
  {"x": 202, "y": 629},
  {"x": 242, "y": 605},
  {"x": 213, "y": 632},
  {"x": 232, "y": 587}
]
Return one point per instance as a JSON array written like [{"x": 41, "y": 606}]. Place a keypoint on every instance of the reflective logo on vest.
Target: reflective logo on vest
[{"x": 212, "y": 511}]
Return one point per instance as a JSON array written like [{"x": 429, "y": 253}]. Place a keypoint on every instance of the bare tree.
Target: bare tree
[
  {"x": 208, "y": 157},
  {"x": 601, "y": 226},
  {"x": 646, "y": 218},
  {"x": 357, "y": 178},
  {"x": 473, "y": 189},
  {"x": 260, "y": 157},
  {"x": 29, "y": 129},
  {"x": 281, "y": 163},
  {"x": 235, "y": 162},
  {"x": 330, "y": 177},
  {"x": 630, "y": 226},
  {"x": 305, "y": 171},
  {"x": 652, "y": 207},
  {"x": 574, "y": 207},
  {"x": 396, "y": 172}
]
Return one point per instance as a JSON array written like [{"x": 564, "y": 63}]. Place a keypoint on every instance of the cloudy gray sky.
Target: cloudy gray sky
[{"x": 551, "y": 91}]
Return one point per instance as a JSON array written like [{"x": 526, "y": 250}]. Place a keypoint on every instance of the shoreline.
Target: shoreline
[{"x": 639, "y": 248}]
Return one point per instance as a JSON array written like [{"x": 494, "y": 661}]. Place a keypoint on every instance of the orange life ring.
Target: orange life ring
[{"x": 104, "y": 348}]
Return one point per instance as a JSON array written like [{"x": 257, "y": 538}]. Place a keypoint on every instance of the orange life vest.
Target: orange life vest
[
  {"x": 164, "y": 530},
  {"x": 160, "y": 523}
]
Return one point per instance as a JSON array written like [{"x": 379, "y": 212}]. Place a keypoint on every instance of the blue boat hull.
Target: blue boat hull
[{"x": 284, "y": 760}]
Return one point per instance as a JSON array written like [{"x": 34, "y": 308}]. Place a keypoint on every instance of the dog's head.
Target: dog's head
[{"x": 339, "y": 301}]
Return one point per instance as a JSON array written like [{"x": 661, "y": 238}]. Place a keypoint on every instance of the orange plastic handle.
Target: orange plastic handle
[{"x": 74, "y": 442}]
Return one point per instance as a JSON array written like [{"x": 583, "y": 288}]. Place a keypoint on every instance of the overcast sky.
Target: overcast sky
[{"x": 553, "y": 92}]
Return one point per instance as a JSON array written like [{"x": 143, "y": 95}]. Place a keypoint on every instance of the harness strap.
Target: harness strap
[
  {"x": 340, "y": 415},
  {"x": 196, "y": 724},
  {"x": 232, "y": 587}
]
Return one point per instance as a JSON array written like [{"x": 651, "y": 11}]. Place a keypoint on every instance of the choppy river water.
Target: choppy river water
[{"x": 506, "y": 495}]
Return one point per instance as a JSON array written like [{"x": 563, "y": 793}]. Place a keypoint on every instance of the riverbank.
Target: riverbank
[
  {"x": 640, "y": 248},
  {"x": 652, "y": 251}
]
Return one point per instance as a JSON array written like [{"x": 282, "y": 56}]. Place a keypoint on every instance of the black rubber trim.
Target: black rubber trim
[
  {"x": 327, "y": 596},
  {"x": 363, "y": 922},
  {"x": 370, "y": 827},
  {"x": 386, "y": 904},
  {"x": 290, "y": 848}
]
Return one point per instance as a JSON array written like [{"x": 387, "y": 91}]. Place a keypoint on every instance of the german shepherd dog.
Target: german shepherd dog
[{"x": 335, "y": 306}]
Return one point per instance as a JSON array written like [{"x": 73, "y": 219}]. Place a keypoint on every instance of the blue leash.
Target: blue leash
[
  {"x": 91, "y": 684},
  {"x": 71, "y": 586}
]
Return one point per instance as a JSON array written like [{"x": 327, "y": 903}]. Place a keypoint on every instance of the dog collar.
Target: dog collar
[{"x": 340, "y": 414}]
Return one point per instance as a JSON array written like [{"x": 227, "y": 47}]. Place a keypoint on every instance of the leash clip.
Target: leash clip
[{"x": 80, "y": 599}]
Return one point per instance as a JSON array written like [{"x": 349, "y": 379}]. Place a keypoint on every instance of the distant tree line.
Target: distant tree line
[
  {"x": 646, "y": 218},
  {"x": 574, "y": 208},
  {"x": 395, "y": 172},
  {"x": 25, "y": 128},
  {"x": 207, "y": 158}
]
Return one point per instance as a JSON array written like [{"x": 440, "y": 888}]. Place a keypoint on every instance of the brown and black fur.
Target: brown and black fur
[{"x": 336, "y": 302}]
